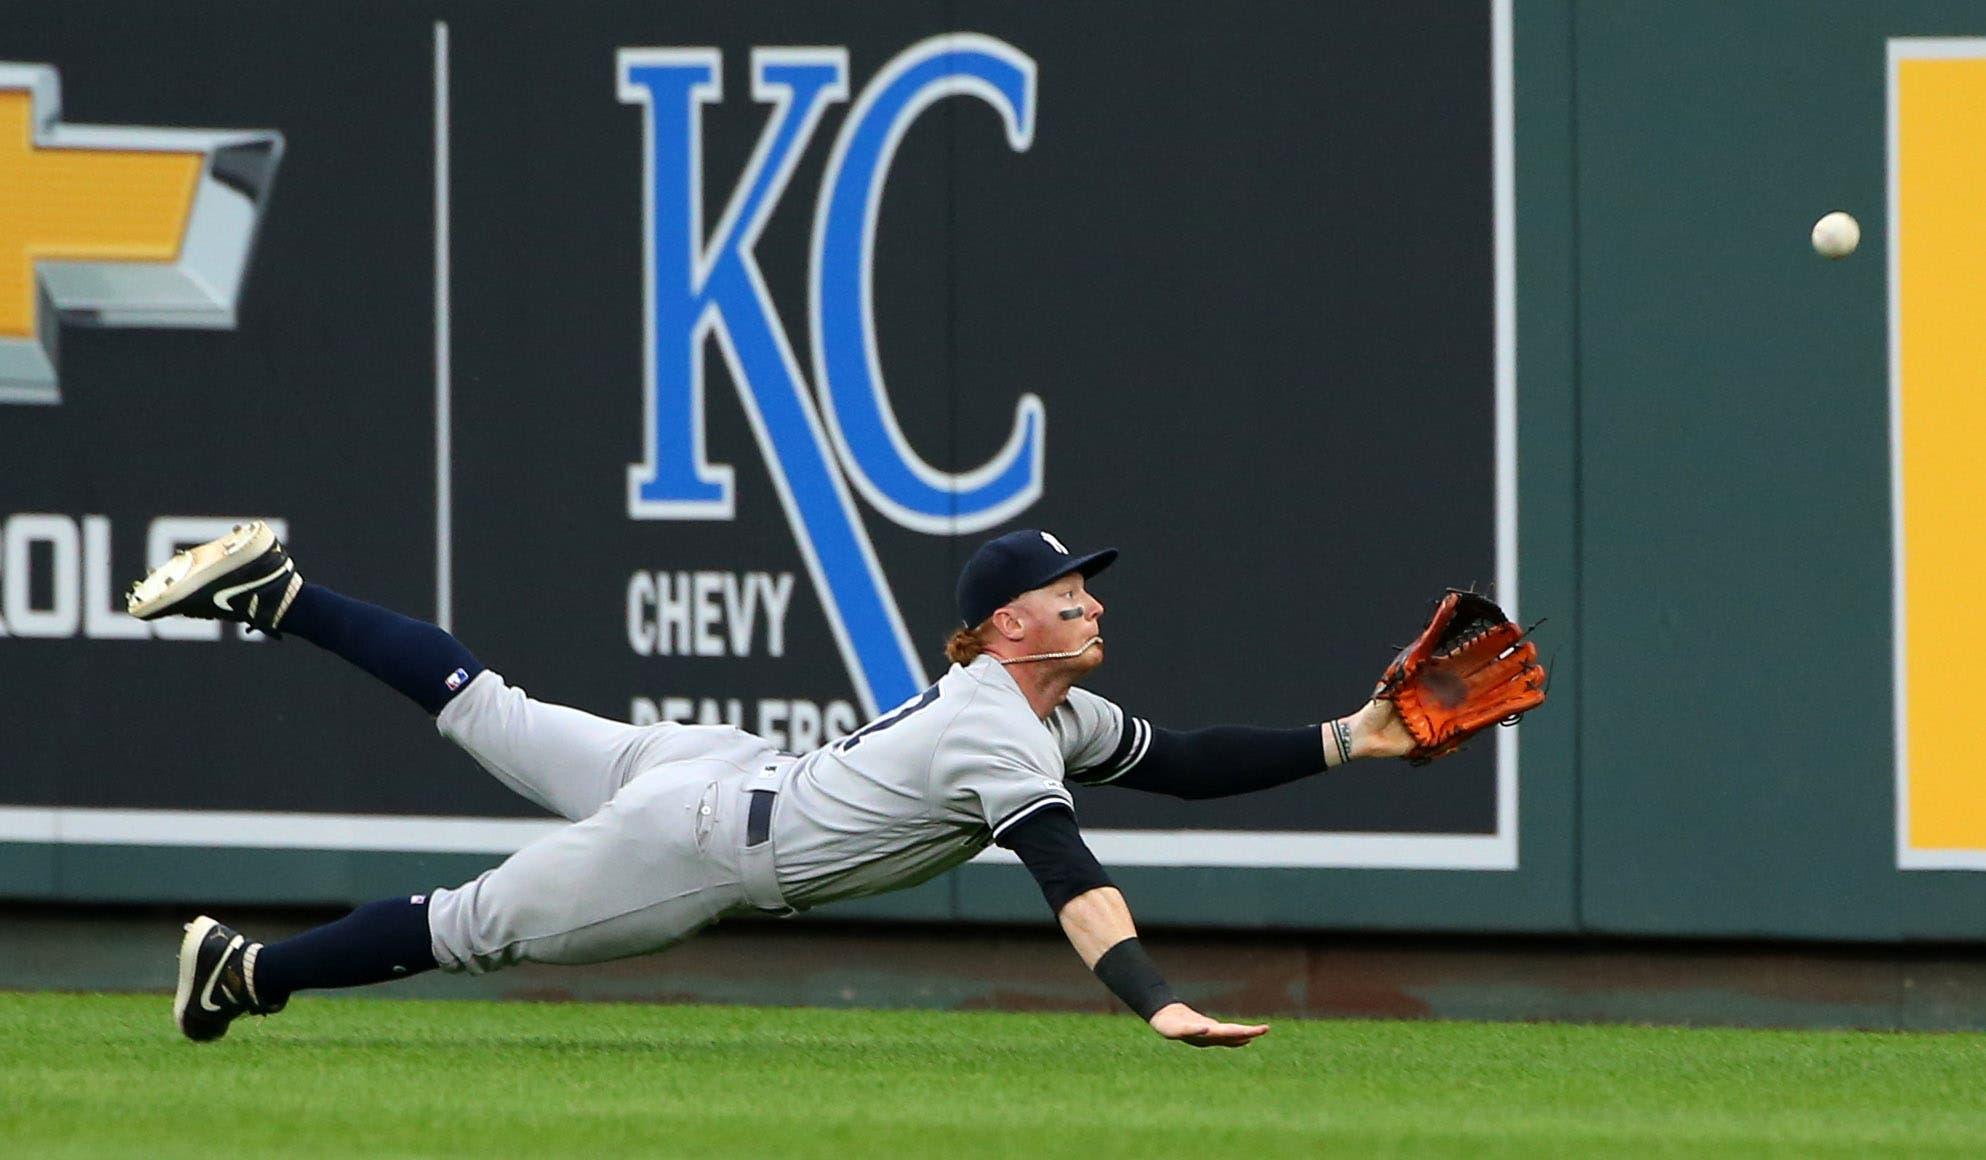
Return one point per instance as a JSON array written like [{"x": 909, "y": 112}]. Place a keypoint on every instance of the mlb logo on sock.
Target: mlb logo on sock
[{"x": 457, "y": 679}]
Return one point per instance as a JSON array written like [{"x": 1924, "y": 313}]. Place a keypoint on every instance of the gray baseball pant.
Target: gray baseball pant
[{"x": 656, "y": 852}]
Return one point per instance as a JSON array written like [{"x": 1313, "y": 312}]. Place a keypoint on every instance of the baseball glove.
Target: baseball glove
[{"x": 1469, "y": 669}]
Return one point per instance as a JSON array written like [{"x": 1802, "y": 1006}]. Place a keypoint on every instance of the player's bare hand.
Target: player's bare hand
[
  {"x": 1178, "y": 1021},
  {"x": 1377, "y": 731}
]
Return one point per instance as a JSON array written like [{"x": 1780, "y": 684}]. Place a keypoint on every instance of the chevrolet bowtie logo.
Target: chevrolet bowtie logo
[{"x": 115, "y": 225}]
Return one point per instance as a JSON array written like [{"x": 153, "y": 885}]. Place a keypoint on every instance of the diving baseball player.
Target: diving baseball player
[{"x": 677, "y": 826}]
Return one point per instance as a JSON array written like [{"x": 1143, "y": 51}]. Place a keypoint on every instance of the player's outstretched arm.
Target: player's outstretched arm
[
  {"x": 1098, "y": 924},
  {"x": 1226, "y": 760}
]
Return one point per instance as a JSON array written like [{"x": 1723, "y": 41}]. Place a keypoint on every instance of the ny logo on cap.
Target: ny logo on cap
[{"x": 1055, "y": 543}]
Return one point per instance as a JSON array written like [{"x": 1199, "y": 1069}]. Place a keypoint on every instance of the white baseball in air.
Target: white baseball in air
[{"x": 1836, "y": 235}]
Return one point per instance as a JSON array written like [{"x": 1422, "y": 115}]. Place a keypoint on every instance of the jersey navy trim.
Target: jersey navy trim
[
  {"x": 1132, "y": 746},
  {"x": 1033, "y": 807}
]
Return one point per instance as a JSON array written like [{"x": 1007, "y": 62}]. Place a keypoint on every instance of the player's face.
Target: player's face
[{"x": 1062, "y": 616}]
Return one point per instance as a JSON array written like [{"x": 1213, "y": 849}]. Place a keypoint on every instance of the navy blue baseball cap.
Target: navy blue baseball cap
[{"x": 1004, "y": 568}]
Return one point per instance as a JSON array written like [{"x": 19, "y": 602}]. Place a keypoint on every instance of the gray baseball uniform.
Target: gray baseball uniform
[{"x": 679, "y": 825}]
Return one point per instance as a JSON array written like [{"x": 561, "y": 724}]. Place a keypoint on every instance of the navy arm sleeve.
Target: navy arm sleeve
[
  {"x": 1208, "y": 763},
  {"x": 1053, "y": 850}
]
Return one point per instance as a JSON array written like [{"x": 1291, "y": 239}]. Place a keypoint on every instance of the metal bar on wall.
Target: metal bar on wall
[
  {"x": 444, "y": 499},
  {"x": 1504, "y": 192}
]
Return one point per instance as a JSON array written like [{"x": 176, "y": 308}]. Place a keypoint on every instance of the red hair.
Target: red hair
[{"x": 964, "y": 646}]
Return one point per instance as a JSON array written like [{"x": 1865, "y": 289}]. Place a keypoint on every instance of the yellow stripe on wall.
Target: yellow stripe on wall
[{"x": 1940, "y": 332}]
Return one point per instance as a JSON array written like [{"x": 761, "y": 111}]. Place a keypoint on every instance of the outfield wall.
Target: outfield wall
[{"x": 1309, "y": 311}]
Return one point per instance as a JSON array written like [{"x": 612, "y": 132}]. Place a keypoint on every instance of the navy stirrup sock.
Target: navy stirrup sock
[
  {"x": 413, "y": 656},
  {"x": 381, "y": 940}
]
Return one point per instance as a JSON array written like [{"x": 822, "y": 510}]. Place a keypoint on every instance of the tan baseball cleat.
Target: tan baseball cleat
[{"x": 245, "y": 576}]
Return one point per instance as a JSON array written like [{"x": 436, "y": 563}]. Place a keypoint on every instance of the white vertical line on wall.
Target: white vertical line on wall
[
  {"x": 1900, "y": 704},
  {"x": 444, "y": 499},
  {"x": 1504, "y": 198}
]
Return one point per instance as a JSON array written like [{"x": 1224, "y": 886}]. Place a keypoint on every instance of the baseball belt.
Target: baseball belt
[{"x": 755, "y": 859}]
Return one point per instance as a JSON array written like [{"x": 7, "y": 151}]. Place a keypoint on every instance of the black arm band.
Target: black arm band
[
  {"x": 1224, "y": 760},
  {"x": 1128, "y": 971},
  {"x": 1054, "y": 852}
]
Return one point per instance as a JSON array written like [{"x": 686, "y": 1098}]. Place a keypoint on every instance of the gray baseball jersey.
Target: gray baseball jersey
[
  {"x": 931, "y": 783},
  {"x": 661, "y": 846}
]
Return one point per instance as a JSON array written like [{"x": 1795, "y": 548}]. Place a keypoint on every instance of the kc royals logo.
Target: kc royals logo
[{"x": 826, "y": 428}]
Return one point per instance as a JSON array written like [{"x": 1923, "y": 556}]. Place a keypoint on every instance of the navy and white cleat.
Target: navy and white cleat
[
  {"x": 216, "y": 969},
  {"x": 246, "y": 576}
]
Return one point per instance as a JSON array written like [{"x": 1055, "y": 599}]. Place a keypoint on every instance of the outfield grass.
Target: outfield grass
[{"x": 103, "y": 1075}]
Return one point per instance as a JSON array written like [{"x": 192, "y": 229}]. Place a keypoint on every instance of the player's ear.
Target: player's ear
[{"x": 1008, "y": 623}]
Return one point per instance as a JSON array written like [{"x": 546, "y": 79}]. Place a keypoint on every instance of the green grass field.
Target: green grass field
[{"x": 97, "y": 1075}]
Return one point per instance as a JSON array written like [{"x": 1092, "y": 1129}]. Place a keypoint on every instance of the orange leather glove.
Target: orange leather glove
[{"x": 1469, "y": 669}]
